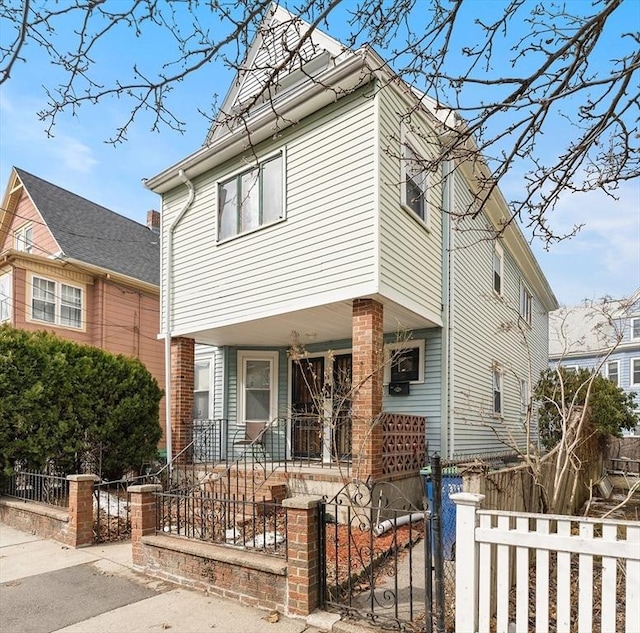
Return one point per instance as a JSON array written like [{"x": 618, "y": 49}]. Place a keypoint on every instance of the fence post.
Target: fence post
[
  {"x": 467, "y": 505},
  {"x": 303, "y": 554},
  {"x": 81, "y": 509},
  {"x": 143, "y": 517}
]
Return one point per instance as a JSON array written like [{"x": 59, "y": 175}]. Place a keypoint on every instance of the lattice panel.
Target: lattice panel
[{"x": 403, "y": 443}]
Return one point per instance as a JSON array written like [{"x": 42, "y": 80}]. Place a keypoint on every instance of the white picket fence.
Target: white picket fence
[{"x": 508, "y": 563}]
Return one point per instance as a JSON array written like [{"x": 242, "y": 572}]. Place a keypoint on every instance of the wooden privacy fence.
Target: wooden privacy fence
[{"x": 540, "y": 572}]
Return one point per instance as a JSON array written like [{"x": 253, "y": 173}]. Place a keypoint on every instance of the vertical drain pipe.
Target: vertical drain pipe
[{"x": 167, "y": 315}]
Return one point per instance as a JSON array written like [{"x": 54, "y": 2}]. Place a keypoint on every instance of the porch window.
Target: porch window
[
  {"x": 201, "y": 394},
  {"x": 613, "y": 371},
  {"x": 497, "y": 391},
  {"x": 5, "y": 297},
  {"x": 405, "y": 362},
  {"x": 252, "y": 198},
  {"x": 23, "y": 238},
  {"x": 414, "y": 183},
  {"x": 56, "y": 303},
  {"x": 258, "y": 386}
]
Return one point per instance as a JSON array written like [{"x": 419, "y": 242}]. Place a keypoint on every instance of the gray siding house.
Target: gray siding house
[{"x": 307, "y": 248}]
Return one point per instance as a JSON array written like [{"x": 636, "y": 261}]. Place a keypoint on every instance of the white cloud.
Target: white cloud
[{"x": 72, "y": 154}]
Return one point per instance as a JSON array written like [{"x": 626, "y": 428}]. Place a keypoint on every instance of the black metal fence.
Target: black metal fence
[
  {"x": 251, "y": 524},
  {"x": 39, "y": 487}
]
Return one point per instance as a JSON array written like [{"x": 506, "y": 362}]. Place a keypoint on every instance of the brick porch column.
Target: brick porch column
[
  {"x": 303, "y": 555},
  {"x": 143, "y": 517},
  {"x": 368, "y": 357},
  {"x": 80, "y": 509},
  {"x": 182, "y": 367}
]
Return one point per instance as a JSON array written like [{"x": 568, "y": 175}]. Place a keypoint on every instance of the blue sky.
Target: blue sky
[{"x": 603, "y": 259}]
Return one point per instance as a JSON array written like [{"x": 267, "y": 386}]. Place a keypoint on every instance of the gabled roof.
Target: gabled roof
[
  {"x": 265, "y": 67},
  {"x": 90, "y": 233}
]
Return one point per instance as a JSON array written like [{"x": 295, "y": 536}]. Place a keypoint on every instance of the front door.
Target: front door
[{"x": 307, "y": 407}]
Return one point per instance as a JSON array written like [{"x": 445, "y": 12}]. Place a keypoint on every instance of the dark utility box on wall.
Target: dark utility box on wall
[{"x": 398, "y": 388}]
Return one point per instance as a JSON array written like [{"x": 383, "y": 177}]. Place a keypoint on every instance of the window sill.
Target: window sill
[
  {"x": 425, "y": 224},
  {"x": 231, "y": 238}
]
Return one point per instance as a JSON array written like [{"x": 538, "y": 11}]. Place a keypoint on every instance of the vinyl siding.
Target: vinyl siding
[
  {"x": 486, "y": 331},
  {"x": 324, "y": 247},
  {"x": 410, "y": 255}
]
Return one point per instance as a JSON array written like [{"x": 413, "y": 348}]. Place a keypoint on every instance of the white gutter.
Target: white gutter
[{"x": 167, "y": 312}]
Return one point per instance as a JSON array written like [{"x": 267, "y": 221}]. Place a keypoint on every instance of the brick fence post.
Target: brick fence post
[
  {"x": 144, "y": 520},
  {"x": 80, "y": 509},
  {"x": 303, "y": 554}
]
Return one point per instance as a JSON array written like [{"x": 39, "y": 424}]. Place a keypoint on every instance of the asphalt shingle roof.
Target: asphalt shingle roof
[{"x": 94, "y": 234}]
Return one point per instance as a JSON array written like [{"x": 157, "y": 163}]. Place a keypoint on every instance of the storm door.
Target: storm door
[
  {"x": 307, "y": 407},
  {"x": 341, "y": 407}
]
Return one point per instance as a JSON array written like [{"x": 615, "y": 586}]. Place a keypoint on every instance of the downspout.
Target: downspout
[
  {"x": 447, "y": 436},
  {"x": 167, "y": 313}
]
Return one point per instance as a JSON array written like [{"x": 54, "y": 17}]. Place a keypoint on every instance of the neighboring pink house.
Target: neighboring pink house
[{"x": 73, "y": 267}]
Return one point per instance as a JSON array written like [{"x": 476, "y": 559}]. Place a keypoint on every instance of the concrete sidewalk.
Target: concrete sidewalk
[{"x": 47, "y": 587}]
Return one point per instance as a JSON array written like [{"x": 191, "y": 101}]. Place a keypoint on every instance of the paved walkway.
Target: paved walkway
[{"x": 47, "y": 587}]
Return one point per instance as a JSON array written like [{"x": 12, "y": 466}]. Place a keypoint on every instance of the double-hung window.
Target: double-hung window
[
  {"x": 55, "y": 302},
  {"x": 635, "y": 328},
  {"x": 497, "y": 390},
  {"x": 635, "y": 371},
  {"x": 498, "y": 265},
  {"x": 414, "y": 183},
  {"x": 613, "y": 371},
  {"x": 257, "y": 397},
  {"x": 252, "y": 198},
  {"x": 201, "y": 396},
  {"x": 23, "y": 238},
  {"x": 5, "y": 297},
  {"x": 526, "y": 301}
]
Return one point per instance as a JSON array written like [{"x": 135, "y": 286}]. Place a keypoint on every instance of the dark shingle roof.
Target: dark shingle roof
[{"x": 93, "y": 234}]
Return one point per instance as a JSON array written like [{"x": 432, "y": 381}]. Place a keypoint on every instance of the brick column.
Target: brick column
[
  {"x": 368, "y": 363},
  {"x": 143, "y": 517},
  {"x": 303, "y": 555},
  {"x": 80, "y": 510},
  {"x": 182, "y": 367}
]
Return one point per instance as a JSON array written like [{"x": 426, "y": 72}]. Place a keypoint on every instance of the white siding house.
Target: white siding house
[{"x": 274, "y": 240}]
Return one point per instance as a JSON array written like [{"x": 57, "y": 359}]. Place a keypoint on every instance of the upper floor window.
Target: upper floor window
[
  {"x": 613, "y": 371},
  {"x": 56, "y": 303},
  {"x": 635, "y": 371},
  {"x": 526, "y": 301},
  {"x": 414, "y": 183},
  {"x": 251, "y": 198},
  {"x": 635, "y": 327},
  {"x": 23, "y": 238},
  {"x": 5, "y": 297},
  {"x": 498, "y": 265},
  {"x": 497, "y": 390}
]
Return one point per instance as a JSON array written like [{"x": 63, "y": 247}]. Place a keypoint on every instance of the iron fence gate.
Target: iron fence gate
[{"x": 388, "y": 561}]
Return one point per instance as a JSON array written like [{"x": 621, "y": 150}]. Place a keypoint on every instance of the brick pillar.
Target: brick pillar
[
  {"x": 303, "y": 555},
  {"x": 80, "y": 510},
  {"x": 182, "y": 366},
  {"x": 367, "y": 388},
  {"x": 143, "y": 517}
]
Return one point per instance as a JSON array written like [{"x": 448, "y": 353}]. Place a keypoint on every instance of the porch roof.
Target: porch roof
[{"x": 328, "y": 322}]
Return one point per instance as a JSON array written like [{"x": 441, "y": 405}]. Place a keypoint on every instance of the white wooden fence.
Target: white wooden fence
[{"x": 520, "y": 572}]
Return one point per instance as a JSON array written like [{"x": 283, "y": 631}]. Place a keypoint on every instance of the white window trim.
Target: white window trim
[
  {"x": 244, "y": 169},
  {"x": 617, "y": 363},
  {"x": 526, "y": 312},
  {"x": 497, "y": 250},
  {"x": 8, "y": 277},
  {"x": 245, "y": 355},
  {"x": 409, "y": 141},
  {"x": 633, "y": 320},
  {"x": 58, "y": 302},
  {"x": 20, "y": 238},
  {"x": 210, "y": 386},
  {"x": 390, "y": 348},
  {"x": 631, "y": 362},
  {"x": 496, "y": 372}
]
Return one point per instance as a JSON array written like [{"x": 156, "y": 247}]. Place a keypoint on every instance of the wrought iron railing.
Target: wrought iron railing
[
  {"x": 39, "y": 487},
  {"x": 253, "y": 524}
]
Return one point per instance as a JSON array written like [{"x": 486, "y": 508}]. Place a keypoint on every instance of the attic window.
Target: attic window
[
  {"x": 23, "y": 238},
  {"x": 251, "y": 199}
]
